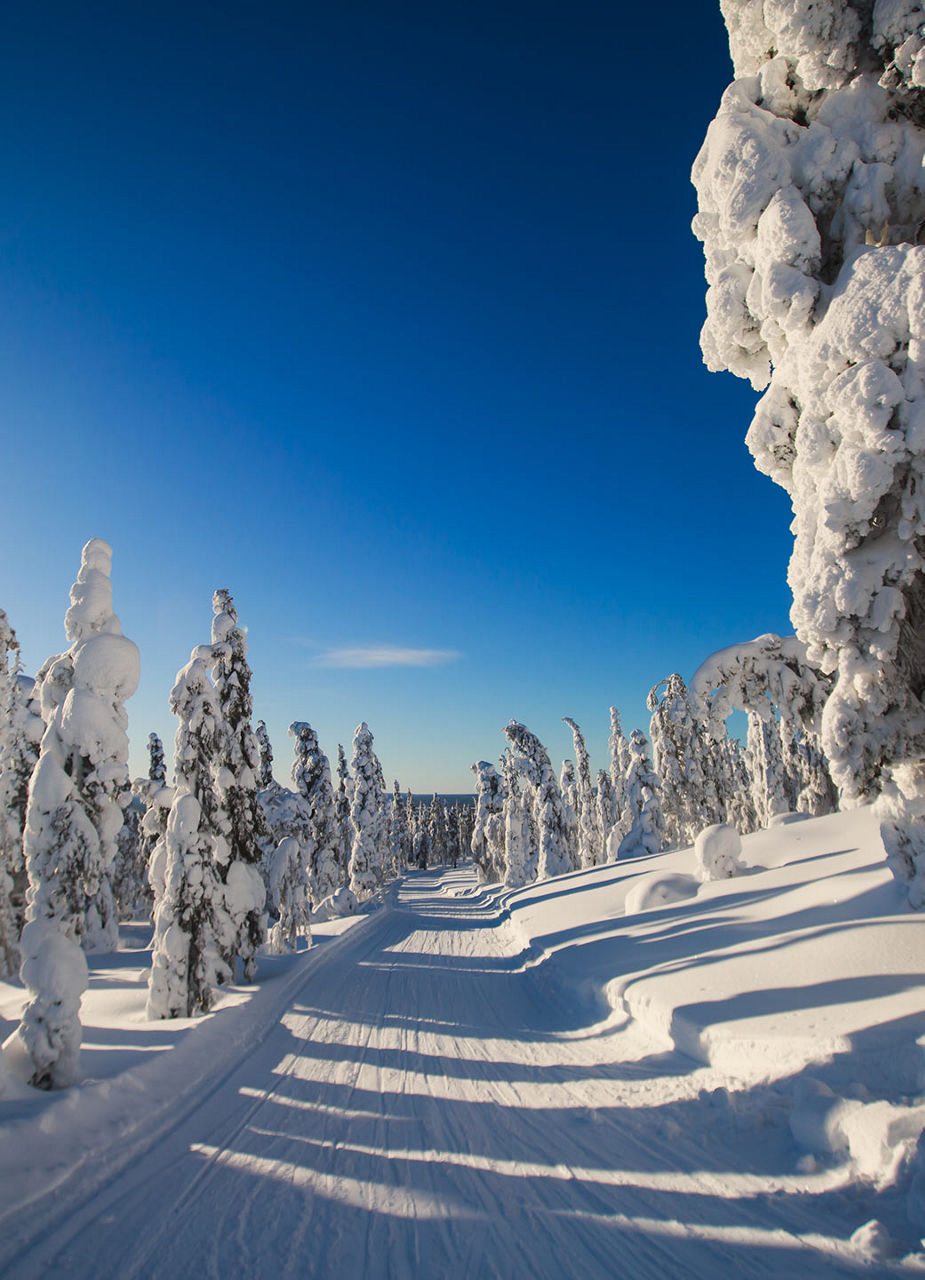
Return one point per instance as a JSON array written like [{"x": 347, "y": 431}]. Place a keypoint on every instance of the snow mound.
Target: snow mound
[
  {"x": 342, "y": 902},
  {"x": 719, "y": 850},
  {"x": 658, "y": 890}
]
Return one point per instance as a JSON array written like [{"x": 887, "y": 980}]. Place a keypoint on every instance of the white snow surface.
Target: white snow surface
[{"x": 478, "y": 1081}]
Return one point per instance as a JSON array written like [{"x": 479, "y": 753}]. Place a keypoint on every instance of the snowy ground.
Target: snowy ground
[{"x": 474, "y": 1082}]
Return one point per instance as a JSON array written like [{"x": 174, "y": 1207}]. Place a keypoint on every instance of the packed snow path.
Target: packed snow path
[{"x": 432, "y": 1105}]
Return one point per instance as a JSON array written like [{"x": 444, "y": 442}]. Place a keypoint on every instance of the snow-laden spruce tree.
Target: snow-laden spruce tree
[
  {"x": 343, "y": 798},
  {"x": 73, "y": 818},
  {"x": 646, "y": 831},
  {"x": 366, "y": 854},
  {"x": 812, "y": 205},
  {"x": 520, "y": 851},
  {"x": 266, "y": 755},
  {"x": 324, "y": 853},
  {"x": 288, "y": 898},
  {"x": 238, "y": 769},
  {"x": 545, "y": 799},
  {"x": 590, "y": 837},
  {"x": 11, "y": 816},
  {"x": 194, "y": 932},
  {"x": 399, "y": 835},
  {"x": 488, "y": 831},
  {"x": 619, "y": 764},
  {"x": 568, "y": 788},
  {"x": 157, "y": 765},
  {"x": 766, "y": 768},
  {"x": 679, "y": 756},
  {"x": 436, "y": 828}
]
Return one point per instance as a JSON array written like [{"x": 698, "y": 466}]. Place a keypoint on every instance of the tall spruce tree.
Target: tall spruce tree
[{"x": 323, "y": 850}]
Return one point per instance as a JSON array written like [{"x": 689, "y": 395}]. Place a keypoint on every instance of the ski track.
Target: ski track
[{"x": 428, "y": 1107}]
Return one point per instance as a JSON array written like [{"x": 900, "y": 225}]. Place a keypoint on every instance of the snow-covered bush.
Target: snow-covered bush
[
  {"x": 812, "y": 202},
  {"x": 718, "y": 850}
]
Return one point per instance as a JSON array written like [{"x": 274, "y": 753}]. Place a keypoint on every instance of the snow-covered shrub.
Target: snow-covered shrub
[
  {"x": 288, "y": 898},
  {"x": 342, "y": 902},
  {"x": 812, "y": 202},
  {"x": 718, "y": 850}
]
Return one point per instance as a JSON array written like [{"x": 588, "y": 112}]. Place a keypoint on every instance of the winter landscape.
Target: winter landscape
[{"x": 265, "y": 1008}]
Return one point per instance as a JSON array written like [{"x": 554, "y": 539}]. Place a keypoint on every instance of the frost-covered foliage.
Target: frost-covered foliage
[
  {"x": 812, "y": 202},
  {"x": 680, "y": 758},
  {"x": 129, "y": 873},
  {"x": 74, "y": 816},
  {"x": 545, "y": 799},
  {"x": 488, "y": 830},
  {"x": 590, "y": 837},
  {"x": 568, "y": 789},
  {"x": 20, "y": 734},
  {"x": 367, "y": 855},
  {"x": 766, "y": 768},
  {"x": 901, "y": 810},
  {"x": 288, "y": 898},
  {"x": 436, "y": 829},
  {"x": 266, "y": 755},
  {"x": 194, "y": 932},
  {"x": 731, "y": 768},
  {"x": 606, "y": 807},
  {"x": 237, "y": 770},
  {"x": 324, "y": 852},
  {"x": 645, "y": 824},
  {"x": 718, "y": 849}
]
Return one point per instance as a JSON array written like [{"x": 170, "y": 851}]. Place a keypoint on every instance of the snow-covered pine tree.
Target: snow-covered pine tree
[
  {"x": 679, "y": 749},
  {"x": 519, "y": 849},
  {"x": 399, "y": 836},
  {"x": 288, "y": 898},
  {"x": 311, "y": 774},
  {"x": 10, "y": 818},
  {"x": 487, "y": 840},
  {"x": 606, "y": 813},
  {"x": 343, "y": 798},
  {"x": 737, "y": 793},
  {"x": 643, "y": 804},
  {"x": 568, "y": 786},
  {"x": 590, "y": 839},
  {"x": 811, "y": 209},
  {"x": 365, "y": 869},
  {"x": 766, "y": 767},
  {"x": 548, "y": 813},
  {"x": 619, "y": 765},
  {"x": 157, "y": 766},
  {"x": 237, "y": 772},
  {"x": 436, "y": 829},
  {"x": 194, "y": 933},
  {"x": 266, "y": 755},
  {"x": 129, "y": 879},
  {"x": 73, "y": 818}
]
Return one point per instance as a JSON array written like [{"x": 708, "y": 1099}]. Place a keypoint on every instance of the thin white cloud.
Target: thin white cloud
[{"x": 386, "y": 656}]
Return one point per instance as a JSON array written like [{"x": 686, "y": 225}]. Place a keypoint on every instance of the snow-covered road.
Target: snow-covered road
[{"x": 433, "y": 1104}]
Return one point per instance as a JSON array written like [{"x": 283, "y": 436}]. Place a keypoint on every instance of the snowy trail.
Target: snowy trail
[{"x": 427, "y": 1106}]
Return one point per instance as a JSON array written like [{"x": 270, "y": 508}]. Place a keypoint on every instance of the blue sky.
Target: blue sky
[{"x": 385, "y": 317}]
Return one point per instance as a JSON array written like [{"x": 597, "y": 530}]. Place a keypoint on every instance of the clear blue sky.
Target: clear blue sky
[{"x": 385, "y": 317}]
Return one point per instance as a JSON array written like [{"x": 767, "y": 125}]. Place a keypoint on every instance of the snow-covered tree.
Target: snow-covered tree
[
  {"x": 194, "y": 932},
  {"x": 266, "y": 755},
  {"x": 74, "y": 816},
  {"x": 157, "y": 766},
  {"x": 645, "y": 832},
  {"x": 288, "y": 898},
  {"x": 520, "y": 851},
  {"x": 766, "y": 767},
  {"x": 554, "y": 852},
  {"x": 487, "y": 841},
  {"x": 343, "y": 798},
  {"x": 237, "y": 770},
  {"x": 811, "y": 210},
  {"x": 366, "y": 854},
  {"x": 679, "y": 751},
  {"x": 129, "y": 873},
  {"x": 399, "y": 835},
  {"x": 12, "y": 796},
  {"x": 590, "y": 838},
  {"x": 606, "y": 812},
  {"x": 324, "y": 853}
]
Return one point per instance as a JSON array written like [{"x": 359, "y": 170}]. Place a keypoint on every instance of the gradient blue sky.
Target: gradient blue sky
[{"x": 385, "y": 317}]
